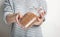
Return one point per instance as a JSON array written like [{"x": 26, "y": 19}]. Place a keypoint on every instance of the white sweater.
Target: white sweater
[{"x": 14, "y": 6}]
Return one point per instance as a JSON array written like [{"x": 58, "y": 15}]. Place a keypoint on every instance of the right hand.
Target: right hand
[{"x": 11, "y": 18}]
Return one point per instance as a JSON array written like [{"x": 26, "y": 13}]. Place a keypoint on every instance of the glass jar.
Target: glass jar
[{"x": 30, "y": 17}]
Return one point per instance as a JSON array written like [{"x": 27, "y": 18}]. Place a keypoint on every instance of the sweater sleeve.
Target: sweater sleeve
[{"x": 8, "y": 9}]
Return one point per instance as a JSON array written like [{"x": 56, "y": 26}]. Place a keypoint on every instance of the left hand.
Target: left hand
[{"x": 40, "y": 18}]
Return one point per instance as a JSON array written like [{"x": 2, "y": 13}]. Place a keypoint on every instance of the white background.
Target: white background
[{"x": 50, "y": 28}]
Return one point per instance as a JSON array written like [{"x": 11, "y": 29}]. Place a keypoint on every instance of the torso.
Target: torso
[{"x": 24, "y": 6}]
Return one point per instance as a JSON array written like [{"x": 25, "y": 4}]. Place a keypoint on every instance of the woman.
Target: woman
[{"x": 14, "y": 7}]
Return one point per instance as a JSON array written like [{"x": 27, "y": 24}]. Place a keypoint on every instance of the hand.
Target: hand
[
  {"x": 11, "y": 18},
  {"x": 18, "y": 18},
  {"x": 40, "y": 19}
]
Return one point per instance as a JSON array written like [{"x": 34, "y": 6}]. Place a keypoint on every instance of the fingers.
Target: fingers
[
  {"x": 18, "y": 17},
  {"x": 39, "y": 21},
  {"x": 21, "y": 15},
  {"x": 42, "y": 14}
]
